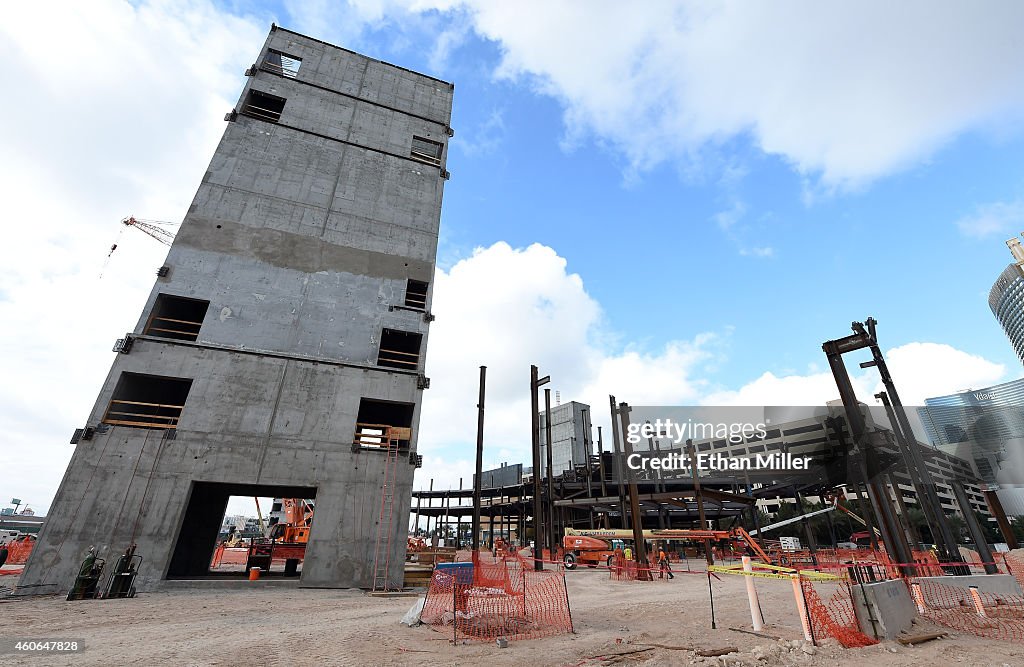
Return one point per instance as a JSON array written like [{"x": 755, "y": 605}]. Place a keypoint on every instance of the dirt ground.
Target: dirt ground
[{"x": 616, "y": 623}]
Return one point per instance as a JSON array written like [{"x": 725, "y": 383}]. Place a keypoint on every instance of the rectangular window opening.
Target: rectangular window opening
[
  {"x": 399, "y": 349},
  {"x": 147, "y": 401},
  {"x": 282, "y": 63},
  {"x": 176, "y": 317},
  {"x": 379, "y": 422},
  {"x": 426, "y": 150},
  {"x": 416, "y": 294},
  {"x": 263, "y": 106}
]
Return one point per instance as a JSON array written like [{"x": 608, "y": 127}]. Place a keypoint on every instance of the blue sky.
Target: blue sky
[
  {"x": 649, "y": 245},
  {"x": 673, "y": 203}
]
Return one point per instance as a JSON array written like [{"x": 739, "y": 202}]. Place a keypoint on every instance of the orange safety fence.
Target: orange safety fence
[
  {"x": 831, "y": 612},
  {"x": 218, "y": 556},
  {"x": 991, "y": 615},
  {"x": 1014, "y": 565},
  {"x": 629, "y": 570},
  {"x": 486, "y": 598},
  {"x": 925, "y": 563},
  {"x": 18, "y": 552}
]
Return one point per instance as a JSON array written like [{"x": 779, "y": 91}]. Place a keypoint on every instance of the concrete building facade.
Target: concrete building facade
[
  {"x": 285, "y": 333},
  {"x": 570, "y": 436}
]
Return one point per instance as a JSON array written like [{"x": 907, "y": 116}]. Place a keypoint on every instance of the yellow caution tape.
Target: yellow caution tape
[{"x": 810, "y": 575}]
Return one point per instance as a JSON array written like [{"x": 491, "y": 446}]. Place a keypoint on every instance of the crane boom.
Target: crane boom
[
  {"x": 152, "y": 227},
  {"x": 802, "y": 517}
]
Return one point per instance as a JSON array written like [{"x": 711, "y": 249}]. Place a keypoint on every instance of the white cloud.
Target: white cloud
[
  {"x": 927, "y": 370},
  {"x": 485, "y": 138},
  {"x": 508, "y": 308},
  {"x": 993, "y": 218},
  {"x": 846, "y": 92},
  {"x": 118, "y": 109},
  {"x": 728, "y": 218},
  {"x": 919, "y": 371}
]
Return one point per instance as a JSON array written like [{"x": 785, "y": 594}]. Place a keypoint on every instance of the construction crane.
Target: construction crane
[{"x": 157, "y": 229}]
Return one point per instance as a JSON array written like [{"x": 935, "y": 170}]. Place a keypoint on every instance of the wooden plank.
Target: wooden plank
[
  {"x": 920, "y": 639},
  {"x": 168, "y": 319},
  {"x": 405, "y": 354},
  {"x": 154, "y": 405},
  {"x": 183, "y": 333},
  {"x": 116, "y": 422}
]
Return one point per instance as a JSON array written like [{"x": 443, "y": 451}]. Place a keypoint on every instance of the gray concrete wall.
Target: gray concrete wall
[
  {"x": 997, "y": 584},
  {"x": 567, "y": 436},
  {"x": 884, "y": 608},
  {"x": 302, "y": 240}
]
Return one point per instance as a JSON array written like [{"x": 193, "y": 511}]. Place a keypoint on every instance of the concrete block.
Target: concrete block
[
  {"x": 884, "y": 608},
  {"x": 996, "y": 584}
]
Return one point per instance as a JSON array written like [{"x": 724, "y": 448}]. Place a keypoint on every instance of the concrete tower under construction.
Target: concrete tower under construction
[{"x": 281, "y": 351}]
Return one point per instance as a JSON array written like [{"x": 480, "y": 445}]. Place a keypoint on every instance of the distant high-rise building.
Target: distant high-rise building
[
  {"x": 570, "y": 435},
  {"x": 1006, "y": 298},
  {"x": 986, "y": 427}
]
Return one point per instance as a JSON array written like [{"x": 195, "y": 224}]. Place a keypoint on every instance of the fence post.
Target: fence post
[
  {"x": 755, "y": 607},
  {"x": 711, "y": 596},
  {"x": 915, "y": 592},
  {"x": 978, "y": 606},
  {"x": 801, "y": 608}
]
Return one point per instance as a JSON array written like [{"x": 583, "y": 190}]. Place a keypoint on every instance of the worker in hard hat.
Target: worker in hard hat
[{"x": 663, "y": 565}]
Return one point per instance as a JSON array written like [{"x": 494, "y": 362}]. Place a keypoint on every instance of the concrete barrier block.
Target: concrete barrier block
[{"x": 884, "y": 608}]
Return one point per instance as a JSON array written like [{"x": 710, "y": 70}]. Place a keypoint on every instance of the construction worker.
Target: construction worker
[
  {"x": 663, "y": 565},
  {"x": 627, "y": 553}
]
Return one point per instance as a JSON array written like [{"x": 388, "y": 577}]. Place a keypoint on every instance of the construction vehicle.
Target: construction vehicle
[
  {"x": 600, "y": 550},
  {"x": 585, "y": 550},
  {"x": 298, "y": 517}
]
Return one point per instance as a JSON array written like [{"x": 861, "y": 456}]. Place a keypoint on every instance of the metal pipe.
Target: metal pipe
[
  {"x": 617, "y": 466},
  {"x": 478, "y": 478},
  {"x": 550, "y": 475},
  {"x": 640, "y": 547},
  {"x": 538, "y": 563}
]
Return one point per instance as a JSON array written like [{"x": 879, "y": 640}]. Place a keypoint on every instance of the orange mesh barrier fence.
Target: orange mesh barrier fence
[
  {"x": 925, "y": 563},
  {"x": 486, "y": 598},
  {"x": 218, "y": 555},
  {"x": 991, "y": 615},
  {"x": 629, "y": 570},
  {"x": 1015, "y": 566},
  {"x": 18, "y": 552},
  {"x": 830, "y": 608}
]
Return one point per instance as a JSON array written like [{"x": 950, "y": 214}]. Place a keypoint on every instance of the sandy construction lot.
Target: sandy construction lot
[{"x": 275, "y": 624}]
